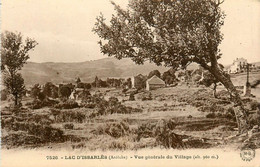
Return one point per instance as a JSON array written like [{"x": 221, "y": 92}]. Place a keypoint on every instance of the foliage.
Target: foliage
[
  {"x": 68, "y": 126},
  {"x": 169, "y": 76},
  {"x": 69, "y": 104},
  {"x": 14, "y": 54},
  {"x": 15, "y": 85},
  {"x": 50, "y": 90},
  {"x": 64, "y": 91},
  {"x": 4, "y": 94},
  {"x": 254, "y": 119},
  {"x": 46, "y": 102},
  {"x": 116, "y": 129},
  {"x": 254, "y": 105},
  {"x": 35, "y": 91},
  {"x": 173, "y": 33},
  {"x": 154, "y": 72},
  {"x": 132, "y": 97},
  {"x": 69, "y": 115},
  {"x": 179, "y": 31}
]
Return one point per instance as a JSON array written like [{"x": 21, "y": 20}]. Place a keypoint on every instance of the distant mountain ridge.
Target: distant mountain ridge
[
  {"x": 67, "y": 72},
  {"x": 103, "y": 68}
]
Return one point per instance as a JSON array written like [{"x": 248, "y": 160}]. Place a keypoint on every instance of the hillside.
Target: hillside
[{"x": 67, "y": 72}]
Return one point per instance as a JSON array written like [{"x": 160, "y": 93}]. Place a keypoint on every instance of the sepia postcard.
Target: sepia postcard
[{"x": 130, "y": 83}]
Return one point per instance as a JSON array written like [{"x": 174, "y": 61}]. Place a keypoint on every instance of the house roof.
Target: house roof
[{"x": 155, "y": 80}]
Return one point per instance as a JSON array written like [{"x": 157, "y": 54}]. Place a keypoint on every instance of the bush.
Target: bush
[
  {"x": 124, "y": 90},
  {"x": 116, "y": 130},
  {"x": 254, "y": 119},
  {"x": 4, "y": 94},
  {"x": 37, "y": 104},
  {"x": 20, "y": 138},
  {"x": 211, "y": 115},
  {"x": 154, "y": 129},
  {"x": 132, "y": 97},
  {"x": 68, "y": 126},
  {"x": 41, "y": 119},
  {"x": 45, "y": 133},
  {"x": 70, "y": 116},
  {"x": 70, "y": 104},
  {"x": 254, "y": 105},
  {"x": 165, "y": 136}
]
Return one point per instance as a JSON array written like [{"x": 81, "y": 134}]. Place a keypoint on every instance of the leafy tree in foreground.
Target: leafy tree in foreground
[
  {"x": 173, "y": 33},
  {"x": 14, "y": 54}
]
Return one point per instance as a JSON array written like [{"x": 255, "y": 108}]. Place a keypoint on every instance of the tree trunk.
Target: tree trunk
[
  {"x": 15, "y": 100},
  {"x": 241, "y": 116},
  {"x": 215, "y": 90}
]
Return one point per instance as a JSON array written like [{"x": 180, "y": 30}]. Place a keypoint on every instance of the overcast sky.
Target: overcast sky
[{"x": 63, "y": 28}]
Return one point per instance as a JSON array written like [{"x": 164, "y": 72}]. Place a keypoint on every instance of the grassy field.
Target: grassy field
[{"x": 174, "y": 117}]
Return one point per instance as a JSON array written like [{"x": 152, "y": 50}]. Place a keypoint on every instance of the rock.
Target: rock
[
  {"x": 254, "y": 130},
  {"x": 189, "y": 116},
  {"x": 255, "y": 127},
  {"x": 185, "y": 140},
  {"x": 250, "y": 133},
  {"x": 243, "y": 135},
  {"x": 235, "y": 129},
  {"x": 247, "y": 140}
]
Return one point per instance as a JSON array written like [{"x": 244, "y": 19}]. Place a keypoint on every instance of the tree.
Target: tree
[
  {"x": 15, "y": 86},
  {"x": 78, "y": 80},
  {"x": 173, "y": 33},
  {"x": 87, "y": 86},
  {"x": 47, "y": 89},
  {"x": 169, "y": 76},
  {"x": 14, "y": 54},
  {"x": 35, "y": 91},
  {"x": 208, "y": 79},
  {"x": 64, "y": 91},
  {"x": 154, "y": 72},
  {"x": 55, "y": 92}
]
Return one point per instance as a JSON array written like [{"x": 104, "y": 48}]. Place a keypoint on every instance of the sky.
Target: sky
[{"x": 63, "y": 28}]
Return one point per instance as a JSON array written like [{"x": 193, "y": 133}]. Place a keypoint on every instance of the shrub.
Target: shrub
[
  {"x": 4, "y": 94},
  {"x": 254, "y": 105},
  {"x": 117, "y": 129},
  {"x": 165, "y": 136},
  {"x": 68, "y": 126},
  {"x": 20, "y": 138},
  {"x": 131, "y": 97},
  {"x": 154, "y": 129},
  {"x": 124, "y": 90},
  {"x": 45, "y": 132},
  {"x": 69, "y": 104},
  {"x": 70, "y": 116},
  {"x": 41, "y": 119},
  {"x": 254, "y": 119},
  {"x": 37, "y": 104},
  {"x": 211, "y": 115}
]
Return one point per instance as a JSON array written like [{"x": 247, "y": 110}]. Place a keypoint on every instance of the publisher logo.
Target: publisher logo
[{"x": 247, "y": 154}]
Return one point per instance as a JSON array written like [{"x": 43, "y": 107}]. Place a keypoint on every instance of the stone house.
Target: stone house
[
  {"x": 238, "y": 65},
  {"x": 154, "y": 82}
]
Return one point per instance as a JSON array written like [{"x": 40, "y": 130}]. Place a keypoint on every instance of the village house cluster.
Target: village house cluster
[{"x": 240, "y": 65}]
